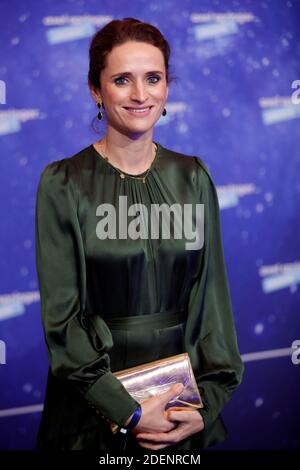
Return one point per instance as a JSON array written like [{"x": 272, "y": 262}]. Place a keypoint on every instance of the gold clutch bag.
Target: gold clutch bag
[{"x": 153, "y": 378}]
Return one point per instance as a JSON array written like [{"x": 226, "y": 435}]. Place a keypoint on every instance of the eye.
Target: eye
[
  {"x": 156, "y": 77},
  {"x": 151, "y": 79},
  {"x": 117, "y": 80}
]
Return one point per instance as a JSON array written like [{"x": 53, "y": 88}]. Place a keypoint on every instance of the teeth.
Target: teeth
[{"x": 138, "y": 110}]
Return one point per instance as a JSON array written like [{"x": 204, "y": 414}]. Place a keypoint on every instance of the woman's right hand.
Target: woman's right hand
[{"x": 154, "y": 416}]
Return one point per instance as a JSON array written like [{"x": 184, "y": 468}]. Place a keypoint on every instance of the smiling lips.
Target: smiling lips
[{"x": 139, "y": 111}]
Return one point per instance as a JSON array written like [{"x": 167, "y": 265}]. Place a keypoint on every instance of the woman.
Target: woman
[{"x": 111, "y": 299}]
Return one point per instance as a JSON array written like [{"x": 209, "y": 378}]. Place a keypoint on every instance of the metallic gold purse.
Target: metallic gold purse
[{"x": 153, "y": 378}]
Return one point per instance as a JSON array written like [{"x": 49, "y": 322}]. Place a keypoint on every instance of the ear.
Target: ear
[
  {"x": 95, "y": 93},
  {"x": 167, "y": 93}
]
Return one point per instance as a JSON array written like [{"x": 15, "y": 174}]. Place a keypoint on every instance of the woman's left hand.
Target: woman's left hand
[{"x": 189, "y": 422}]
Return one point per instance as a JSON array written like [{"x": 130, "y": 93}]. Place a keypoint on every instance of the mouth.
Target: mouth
[{"x": 139, "y": 111}]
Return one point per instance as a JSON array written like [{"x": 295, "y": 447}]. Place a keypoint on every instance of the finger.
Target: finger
[
  {"x": 173, "y": 392},
  {"x": 163, "y": 437},
  {"x": 178, "y": 408},
  {"x": 153, "y": 447},
  {"x": 148, "y": 445},
  {"x": 181, "y": 408},
  {"x": 180, "y": 416}
]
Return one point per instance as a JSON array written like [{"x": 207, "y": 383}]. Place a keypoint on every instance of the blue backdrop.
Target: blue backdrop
[{"x": 236, "y": 103}]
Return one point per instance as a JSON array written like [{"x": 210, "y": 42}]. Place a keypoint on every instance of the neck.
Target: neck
[{"x": 132, "y": 155}]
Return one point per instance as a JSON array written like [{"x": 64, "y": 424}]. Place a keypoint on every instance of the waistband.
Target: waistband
[{"x": 163, "y": 319}]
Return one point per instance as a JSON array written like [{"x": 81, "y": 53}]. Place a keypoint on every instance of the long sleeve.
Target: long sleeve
[
  {"x": 78, "y": 349},
  {"x": 210, "y": 332}
]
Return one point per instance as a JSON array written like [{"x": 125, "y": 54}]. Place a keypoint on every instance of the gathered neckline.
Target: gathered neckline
[{"x": 157, "y": 154}]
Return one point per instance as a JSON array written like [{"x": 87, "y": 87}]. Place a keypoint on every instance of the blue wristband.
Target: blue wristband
[{"x": 135, "y": 418}]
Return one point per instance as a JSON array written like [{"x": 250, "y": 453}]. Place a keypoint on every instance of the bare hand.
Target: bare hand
[
  {"x": 154, "y": 416},
  {"x": 187, "y": 421}
]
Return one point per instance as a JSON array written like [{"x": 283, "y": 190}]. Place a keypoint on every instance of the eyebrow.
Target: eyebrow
[{"x": 130, "y": 74}]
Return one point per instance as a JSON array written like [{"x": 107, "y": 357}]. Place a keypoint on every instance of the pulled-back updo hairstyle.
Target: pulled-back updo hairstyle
[{"x": 118, "y": 32}]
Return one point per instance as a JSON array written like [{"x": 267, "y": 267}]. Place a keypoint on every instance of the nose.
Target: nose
[{"x": 139, "y": 92}]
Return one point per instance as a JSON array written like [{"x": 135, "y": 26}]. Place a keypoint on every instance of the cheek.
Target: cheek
[
  {"x": 160, "y": 93},
  {"x": 115, "y": 95}
]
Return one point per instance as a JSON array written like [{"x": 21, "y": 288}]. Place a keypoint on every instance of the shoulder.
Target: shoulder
[
  {"x": 193, "y": 164},
  {"x": 65, "y": 172}
]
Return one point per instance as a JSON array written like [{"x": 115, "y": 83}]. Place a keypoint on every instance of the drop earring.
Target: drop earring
[
  {"x": 99, "y": 116},
  {"x": 164, "y": 112}
]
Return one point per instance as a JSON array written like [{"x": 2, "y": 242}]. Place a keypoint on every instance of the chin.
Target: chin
[{"x": 141, "y": 127}]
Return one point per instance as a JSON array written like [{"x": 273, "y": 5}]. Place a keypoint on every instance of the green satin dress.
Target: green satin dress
[{"x": 109, "y": 304}]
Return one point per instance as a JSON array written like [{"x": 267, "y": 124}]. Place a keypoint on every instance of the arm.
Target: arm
[
  {"x": 210, "y": 332},
  {"x": 78, "y": 350}
]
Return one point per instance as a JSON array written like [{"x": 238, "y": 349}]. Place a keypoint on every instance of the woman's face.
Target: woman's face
[{"x": 134, "y": 77}]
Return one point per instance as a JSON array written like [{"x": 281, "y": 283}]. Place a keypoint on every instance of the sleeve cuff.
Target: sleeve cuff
[
  {"x": 109, "y": 396},
  {"x": 214, "y": 398}
]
